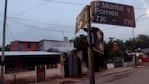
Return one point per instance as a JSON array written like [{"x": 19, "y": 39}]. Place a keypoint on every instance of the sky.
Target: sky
[{"x": 34, "y": 20}]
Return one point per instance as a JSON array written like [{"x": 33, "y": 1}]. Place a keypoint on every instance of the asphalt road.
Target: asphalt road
[{"x": 137, "y": 76}]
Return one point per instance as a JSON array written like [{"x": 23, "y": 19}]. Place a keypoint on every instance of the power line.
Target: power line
[
  {"x": 63, "y": 2},
  {"x": 81, "y": 4},
  {"x": 36, "y": 27},
  {"x": 140, "y": 8},
  {"x": 10, "y": 32},
  {"x": 57, "y": 25},
  {"x": 22, "y": 19},
  {"x": 40, "y": 5},
  {"x": 33, "y": 8},
  {"x": 39, "y": 28}
]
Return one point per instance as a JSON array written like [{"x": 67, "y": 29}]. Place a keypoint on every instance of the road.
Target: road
[{"x": 137, "y": 76}]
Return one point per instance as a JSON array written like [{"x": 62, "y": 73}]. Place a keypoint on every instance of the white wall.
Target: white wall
[
  {"x": 32, "y": 75},
  {"x": 54, "y": 72},
  {"x": 62, "y": 46}
]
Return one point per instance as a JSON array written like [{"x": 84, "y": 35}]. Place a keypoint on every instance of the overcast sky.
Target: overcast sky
[{"x": 34, "y": 20}]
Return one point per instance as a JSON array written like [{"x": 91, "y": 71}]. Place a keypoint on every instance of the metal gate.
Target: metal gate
[
  {"x": 72, "y": 66},
  {"x": 40, "y": 73}
]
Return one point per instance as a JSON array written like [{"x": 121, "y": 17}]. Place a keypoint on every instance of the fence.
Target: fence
[{"x": 31, "y": 76}]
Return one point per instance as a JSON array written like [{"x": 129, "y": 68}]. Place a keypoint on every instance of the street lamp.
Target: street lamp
[
  {"x": 146, "y": 13},
  {"x": 134, "y": 45},
  {"x": 3, "y": 45}
]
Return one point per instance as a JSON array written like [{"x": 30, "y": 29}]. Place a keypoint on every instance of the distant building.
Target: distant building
[
  {"x": 56, "y": 46},
  {"x": 24, "y": 46},
  {"x": 43, "y": 45}
]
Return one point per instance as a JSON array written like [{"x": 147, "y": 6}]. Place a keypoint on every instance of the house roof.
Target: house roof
[
  {"x": 26, "y": 41},
  {"x": 51, "y": 40},
  {"x": 35, "y": 53}
]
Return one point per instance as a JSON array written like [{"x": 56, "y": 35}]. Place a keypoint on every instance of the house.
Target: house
[
  {"x": 24, "y": 60},
  {"x": 24, "y": 46},
  {"x": 31, "y": 65},
  {"x": 56, "y": 46},
  {"x": 43, "y": 45}
]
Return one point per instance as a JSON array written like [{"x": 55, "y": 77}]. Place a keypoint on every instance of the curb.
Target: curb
[
  {"x": 115, "y": 72},
  {"x": 105, "y": 73},
  {"x": 101, "y": 74}
]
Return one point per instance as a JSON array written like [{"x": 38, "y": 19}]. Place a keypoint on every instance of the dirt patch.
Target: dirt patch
[
  {"x": 67, "y": 82},
  {"x": 20, "y": 81}
]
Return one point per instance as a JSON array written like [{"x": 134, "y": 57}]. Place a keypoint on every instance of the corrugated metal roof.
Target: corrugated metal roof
[{"x": 15, "y": 53}]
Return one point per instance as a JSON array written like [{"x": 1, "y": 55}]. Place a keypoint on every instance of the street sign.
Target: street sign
[
  {"x": 112, "y": 13},
  {"x": 81, "y": 20}
]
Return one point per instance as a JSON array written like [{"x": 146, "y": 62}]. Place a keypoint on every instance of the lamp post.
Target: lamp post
[
  {"x": 146, "y": 13},
  {"x": 134, "y": 44},
  {"x": 3, "y": 44}
]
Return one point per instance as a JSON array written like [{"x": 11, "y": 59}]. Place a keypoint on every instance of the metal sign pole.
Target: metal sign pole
[
  {"x": 134, "y": 48},
  {"x": 90, "y": 48}
]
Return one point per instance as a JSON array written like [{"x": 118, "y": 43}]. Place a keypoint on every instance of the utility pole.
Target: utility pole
[
  {"x": 3, "y": 43},
  {"x": 90, "y": 48}
]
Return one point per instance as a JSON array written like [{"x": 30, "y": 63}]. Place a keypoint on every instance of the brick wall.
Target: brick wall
[{"x": 24, "y": 46}]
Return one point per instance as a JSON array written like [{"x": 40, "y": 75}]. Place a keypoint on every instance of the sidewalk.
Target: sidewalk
[{"x": 80, "y": 80}]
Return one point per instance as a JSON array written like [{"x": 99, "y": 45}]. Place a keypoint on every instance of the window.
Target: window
[
  {"x": 49, "y": 66},
  {"x": 20, "y": 47},
  {"x": 28, "y": 45}
]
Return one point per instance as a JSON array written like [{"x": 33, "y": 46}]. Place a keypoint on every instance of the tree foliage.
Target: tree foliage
[
  {"x": 7, "y": 48},
  {"x": 109, "y": 52},
  {"x": 80, "y": 43},
  {"x": 142, "y": 41}
]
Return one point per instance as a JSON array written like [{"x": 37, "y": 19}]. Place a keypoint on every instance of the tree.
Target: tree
[
  {"x": 129, "y": 44},
  {"x": 7, "y": 48},
  {"x": 109, "y": 52},
  {"x": 108, "y": 47},
  {"x": 80, "y": 43},
  {"x": 142, "y": 41}
]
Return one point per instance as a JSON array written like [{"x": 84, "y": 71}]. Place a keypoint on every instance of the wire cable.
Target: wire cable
[
  {"x": 22, "y": 19},
  {"x": 10, "y": 32},
  {"x": 56, "y": 25},
  {"x": 31, "y": 9},
  {"x": 36, "y": 27},
  {"x": 42, "y": 4},
  {"x": 39, "y": 28},
  {"x": 63, "y": 2}
]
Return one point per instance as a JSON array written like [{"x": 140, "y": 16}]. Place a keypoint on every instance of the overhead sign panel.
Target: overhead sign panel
[{"x": 112, "y": 13}]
